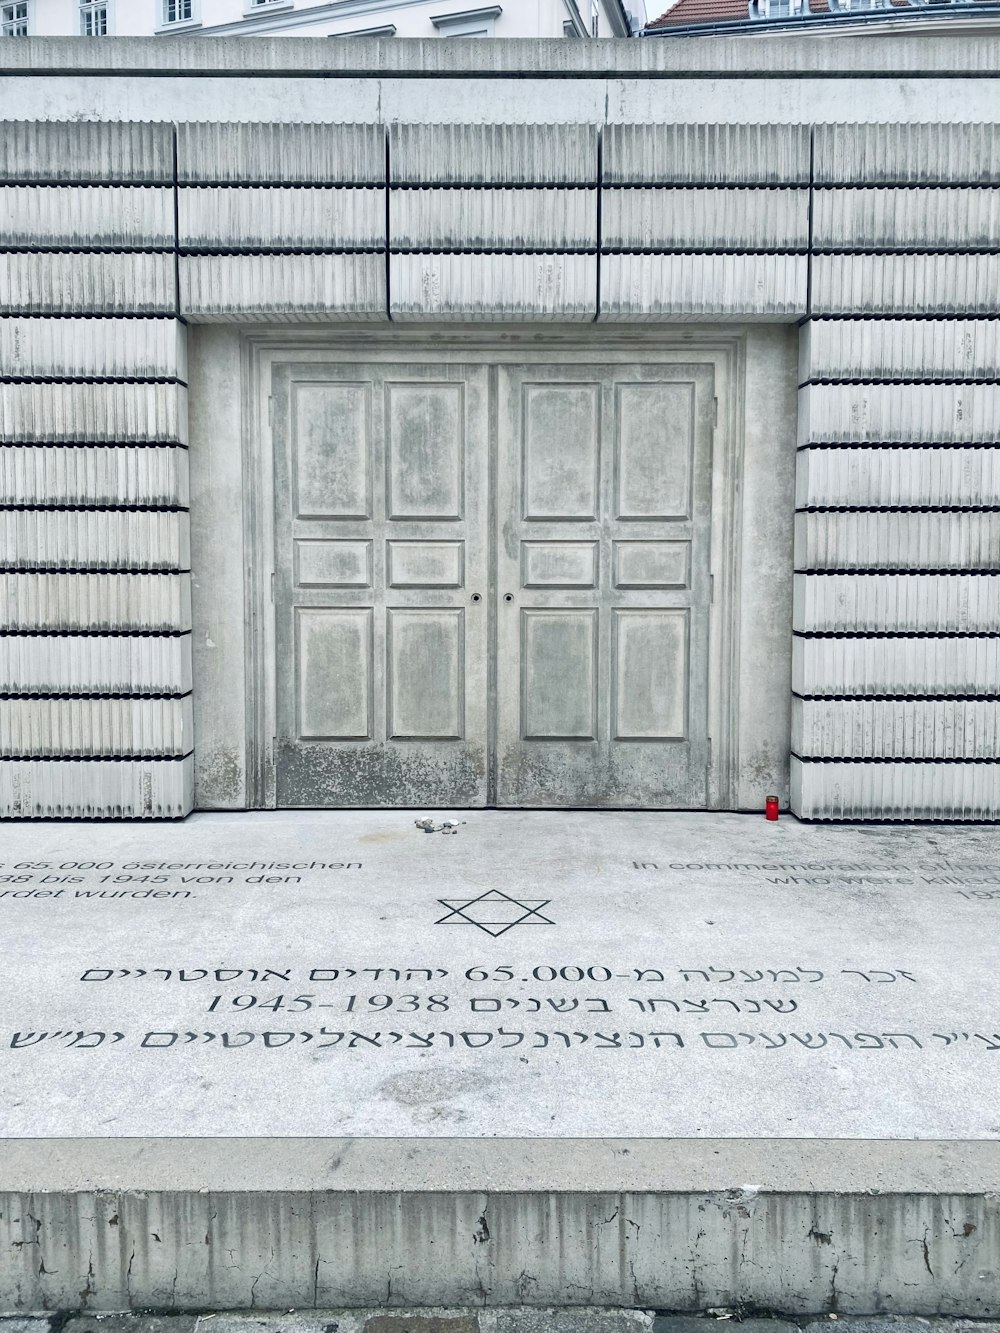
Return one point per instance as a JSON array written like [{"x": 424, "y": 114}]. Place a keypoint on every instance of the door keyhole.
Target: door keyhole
[{"x": 508, "y": 596}]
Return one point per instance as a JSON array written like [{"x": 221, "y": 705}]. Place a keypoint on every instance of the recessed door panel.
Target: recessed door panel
[
  {"x": 604, "y": 502},
  {"x": 381, "y": 581},
  {"x": 546, "y": 645}
]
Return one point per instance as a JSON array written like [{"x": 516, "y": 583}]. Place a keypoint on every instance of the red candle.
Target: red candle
[{"x": 771, "y": 807}]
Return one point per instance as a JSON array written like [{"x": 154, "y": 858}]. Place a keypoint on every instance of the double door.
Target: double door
[{"x": 492, "y": 584}]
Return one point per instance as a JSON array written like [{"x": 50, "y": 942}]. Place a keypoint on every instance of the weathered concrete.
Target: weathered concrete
[{"x": 771, "y": 1086}]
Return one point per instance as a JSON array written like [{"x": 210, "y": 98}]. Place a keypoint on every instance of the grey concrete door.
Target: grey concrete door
[
  {"x": 543, "y": 646},
  {"x": 381, "y": 574},
  {"x": 605, "y": 497}
]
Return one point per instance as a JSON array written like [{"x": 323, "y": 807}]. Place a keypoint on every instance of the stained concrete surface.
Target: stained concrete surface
[{"x": 539, "y": 975}]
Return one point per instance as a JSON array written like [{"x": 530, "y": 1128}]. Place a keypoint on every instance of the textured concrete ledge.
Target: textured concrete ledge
[
  {"x": 847, "y": 57},
  {"x": 408, "y": 1165}
]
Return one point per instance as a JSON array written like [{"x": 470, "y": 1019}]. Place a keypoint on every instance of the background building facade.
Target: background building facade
[{"x": 305, "y": 18}]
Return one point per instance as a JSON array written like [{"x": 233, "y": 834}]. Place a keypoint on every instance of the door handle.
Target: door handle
[
  {"x": 508, "y": 596},
  {"x": 477, "y": 596}
]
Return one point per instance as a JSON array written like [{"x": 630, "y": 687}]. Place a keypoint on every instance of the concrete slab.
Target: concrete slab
[{"x": 539, "y": 975}]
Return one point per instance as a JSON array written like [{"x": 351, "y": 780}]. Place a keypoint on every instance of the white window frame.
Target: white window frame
[
  {"x": 251, "y": 8},
  {"x": 7, "y": 26},
  {"x": 85, "y": 7},
  {"x": 172, "y": 25}
]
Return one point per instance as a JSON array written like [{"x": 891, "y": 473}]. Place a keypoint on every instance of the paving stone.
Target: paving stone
[
  {"x": 577, "y": 1320},
  {"x": 708, "y": 1324},
  {"x": 128, "y": 1323}
]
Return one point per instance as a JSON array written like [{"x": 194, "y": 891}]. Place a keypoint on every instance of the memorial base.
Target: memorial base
[{"x": 671, "y": 1062}]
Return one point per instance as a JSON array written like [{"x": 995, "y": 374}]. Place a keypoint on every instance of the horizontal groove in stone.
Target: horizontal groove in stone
[
  {"x": 896, "y": 728},
  {"x": 892, "y": 413},
  {"x": 639, "y": 287},
  {"x": 112, "y": 217},
  {"x": 907, "y": 154},
  {"x": 552, "y": 154},
  {"x": 935, "y": 284},
  {"x": 69, "y": 728},
  {"x": 86, "y": 151},
  {"x": 100, "y": 789},
  {"x": 727, "y": 154},
  {"x": 693, "y": 219},
  {"x": 282, "y": 218},
  {"x": 97, "y": 539},
  {"x": 874, "y": 478},
  {"x": 94, "y": 475},
  {"x": 895, "y": 791},
  {"x": 899, "y": 349},
  {"x": 514, "y": 219},
  {"x": 94, "y": 664},
  {"x": 908, "y": 603},
  {"x": 896, "y": 666},
  {"x": 92, "y": 283},
  {"x": 897, "y": 541},
  {"x": 293, "y": 154},
  {"x": 93, "y": 413},
  {"x": 491, "y": 287},
  {"x": 61, "y": 602},
  {"x": 270, "y": 287},
  {"x": 887, "y": 219}
]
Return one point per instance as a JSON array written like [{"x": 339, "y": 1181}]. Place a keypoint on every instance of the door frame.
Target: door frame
[{"x": 723, "y": 348}]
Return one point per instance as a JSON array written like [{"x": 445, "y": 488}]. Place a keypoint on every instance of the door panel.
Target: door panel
[
  {"x": 380, "y": 584},
  {"x": 604, "y": 498}
]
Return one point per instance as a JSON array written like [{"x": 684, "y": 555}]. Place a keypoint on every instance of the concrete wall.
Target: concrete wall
[{"x": 625, "y": 205}]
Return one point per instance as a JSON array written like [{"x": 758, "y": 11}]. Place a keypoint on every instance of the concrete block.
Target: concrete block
[
  {"x": 94, "y": 664},
  {"x": 93, "y": 413},
  {"x": 443, "y": 154},
  {"x": 510, "y": 219},
  {"x": 62, "y": 603},
  {"x": 913, "y": 540},
  {"x": 86, "y": 151},
  {"x": 900, "y": 284},
  {"x": 493, "y": 287},
  {"x": 704, "y": 219},
  {"x": 255, "y": 153},
  {"x": 273, "y": 288},
  {"x": 726, "y": 154},
  {"x": 81, "y": 284},
  {"x": 95, "y": 539},
  {"x": 653, "y": 287},
  {"x": 899, "y": 349},
  {"x": 96, "y": 788},
  {"x": 886, "y": 478},
  {"x": 249, "y": 219},
  {"x": 72, "y": 217},
  {"x": 896, "y": 728},
  {"x": 895, "y": 791},
  {"x": 110, "y": 348},
  {"x": 896, "y": 603},
  {"x": 84, "y": 728},
  {"x": 893, "y": 219},
  {"x": 94, "y": 475},
  {"x": 891, "y": 413},
  {"x": 906, "y": 154},
  {"x": 896, "y": 666}
]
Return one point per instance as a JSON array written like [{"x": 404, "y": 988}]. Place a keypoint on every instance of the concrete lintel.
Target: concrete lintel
[{"x": 838, "y": 57}]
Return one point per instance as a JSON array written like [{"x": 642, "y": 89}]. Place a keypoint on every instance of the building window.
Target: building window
[
  {"x": 14, "y": 19},
  {"x": 178, "y": 11},
  {"x": 93, "y": 19}
]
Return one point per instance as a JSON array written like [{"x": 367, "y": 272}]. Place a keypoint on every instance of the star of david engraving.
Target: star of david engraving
[{"x": 495, "y": 912}]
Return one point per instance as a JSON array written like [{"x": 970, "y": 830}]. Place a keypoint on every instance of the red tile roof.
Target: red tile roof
[{"x": 700, "y": 11}]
